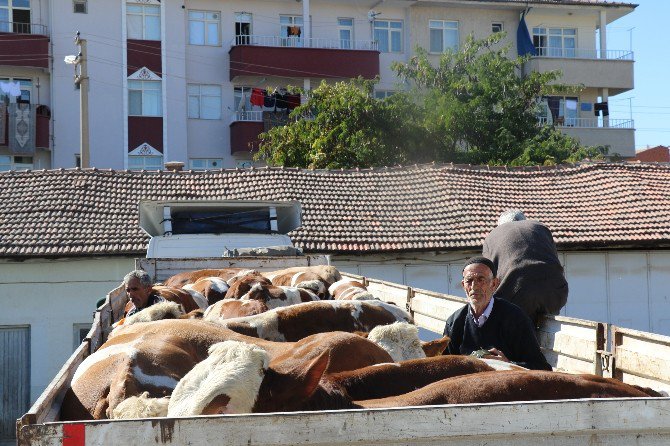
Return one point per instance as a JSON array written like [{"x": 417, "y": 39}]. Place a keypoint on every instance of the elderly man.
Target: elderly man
[
  {"x": 492, "y": 324},
  {"x": 530, "y": 273},
  {"x": 138, "y": 287}
]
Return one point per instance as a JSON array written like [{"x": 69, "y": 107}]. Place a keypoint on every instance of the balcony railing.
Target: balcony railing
[
  {"x": 300, "y": 42},
  {"x": 589, "y": 123},
  {"x": 582, "y": 53},
  {"x": 23, "y": 28},
  {"x": 247, "y": 116}
]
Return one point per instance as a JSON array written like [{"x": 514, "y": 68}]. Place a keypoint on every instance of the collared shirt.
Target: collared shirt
[{"x": 485, "y": 315}]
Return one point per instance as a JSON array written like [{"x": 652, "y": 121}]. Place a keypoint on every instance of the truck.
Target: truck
[{"x": 572, "y": 345}]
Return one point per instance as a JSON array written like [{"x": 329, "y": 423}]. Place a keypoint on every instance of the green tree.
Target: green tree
[
  {"x": 342, "y": 125},
  {"x": 483, "y": 107}
]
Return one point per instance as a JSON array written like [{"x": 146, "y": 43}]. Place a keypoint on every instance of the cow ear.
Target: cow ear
[{"x": 313, "y": 374}]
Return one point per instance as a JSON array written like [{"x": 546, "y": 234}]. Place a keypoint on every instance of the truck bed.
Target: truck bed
[{"x": 572, "y": 345}]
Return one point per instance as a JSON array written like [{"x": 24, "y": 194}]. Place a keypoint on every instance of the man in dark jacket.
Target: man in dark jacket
[
  {"x": 139, "y": 291},
  {"x": 492, "y": 324},
  {"x": 531, "y": 276}
]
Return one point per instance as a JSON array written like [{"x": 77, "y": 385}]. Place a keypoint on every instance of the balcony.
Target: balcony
[
  {"x": 295, "y": 57},
  {"x": 36, "y": 135},
  {"x": 24, "y": 45},
  {"x": 618, "y": 134},
  {"x": 611, "y": 69},
  {"x": 245, "y": 126}
]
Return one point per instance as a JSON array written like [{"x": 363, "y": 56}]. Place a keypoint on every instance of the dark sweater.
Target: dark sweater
[
  {"x": 153, "y": 299},
  {"x": 531, "y": 276},
  {"x": 508, "y": 329}
]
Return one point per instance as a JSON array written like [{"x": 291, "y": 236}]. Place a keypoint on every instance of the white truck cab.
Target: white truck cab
[{"x": 217, "y": 228}]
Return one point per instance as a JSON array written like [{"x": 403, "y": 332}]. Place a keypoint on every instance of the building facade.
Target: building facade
[{"x": 197, "y": 81}]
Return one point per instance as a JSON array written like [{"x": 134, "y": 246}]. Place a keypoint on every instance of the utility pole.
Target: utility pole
[{"x": 80, "y": 62}]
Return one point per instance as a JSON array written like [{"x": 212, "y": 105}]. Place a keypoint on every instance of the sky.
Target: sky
[{"x": 650, "y": 100}]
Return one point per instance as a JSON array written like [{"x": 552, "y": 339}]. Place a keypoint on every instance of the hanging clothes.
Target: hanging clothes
[
  {"x": 257, "y": 97},
  {"x": 292, "y": 101},
  {"x": 269, "y": 100},
  {"x": 293, "y": 31},
  {"x": 554, "y": 106},
  {"x": 11, "y": 88},
  {"x": 281, "y": 102},
  {"x": 601, "y": 107}
]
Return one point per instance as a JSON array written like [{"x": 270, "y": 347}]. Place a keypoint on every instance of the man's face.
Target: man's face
[
  {"x": 138, "y": 293},
  {"x": 479, "y": 284}
]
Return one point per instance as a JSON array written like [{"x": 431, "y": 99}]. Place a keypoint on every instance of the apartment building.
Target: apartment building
[{"x": 196, "y": 81}]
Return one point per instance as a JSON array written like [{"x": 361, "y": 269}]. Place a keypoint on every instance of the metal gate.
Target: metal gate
[{"x": 14, "y": 378}]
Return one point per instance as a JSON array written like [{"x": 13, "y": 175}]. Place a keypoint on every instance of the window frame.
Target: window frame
[
  {"x": 199, "y": 97},
  {"x": 143, "y": 90},
  {"x": 205, "y": 21},
  {"x": 26, "y": 88},
  {"x": 501, "y": 25},
  {"x": 83, "y": 3},
  {"x": 143, "y": 15},
  {"x": 350, "y": 28},
  {"x": 443, "y": 28},
  {"x": 389, "y": 34},
  {"x": 285, "y": 39},
  {"x": 10, "y": 161},
  {"x": 242, "y": 90},
  {"x": 144, "y": 159},
  {"x": 243, "y": 39},
  {"x": 541, "y": 41},
  {"x": 16, "y": 27},
  {"x": 383, "y": 94},
  {"x": 208, "y": 162}
]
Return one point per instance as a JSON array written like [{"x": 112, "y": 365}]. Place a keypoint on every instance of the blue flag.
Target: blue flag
[{"x": 524, "y": 44}]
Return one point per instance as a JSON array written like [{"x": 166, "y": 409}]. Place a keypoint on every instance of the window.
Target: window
[
  {"x": 497, "y": 27},
  {"x": 204, "y": 28},
  {"x": 205, "y": 163},
  {"x": 20, "y": 94},
  {"x": 79, "y": 332},
  {"x": 242, "y": 28},
  {"x": 15, "y": 16},
  {"x": 80, "y": 6},
  {"x": 204, "y": 101},
  {"x": 243, "y": 98},
  {"x": 443, "y": 35},
  {"x": 560, "y": 110},
  {"x": 388, "y": 34},
  {"x": 143, "y": 22},
  {"x": 290, "y": 29},
  {"x": 346, "y": 31},
  {"x": 383, "y": 94},
  {"x": 10, "y": 162},
  {"x": 144, "y": 98},
  {"x": 145, "y": 162},
  {"x": 555, "y": 42}
]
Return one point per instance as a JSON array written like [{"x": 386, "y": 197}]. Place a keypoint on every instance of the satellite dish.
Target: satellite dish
[
  {"x": 372, "y": 14},
  {"x": 70, "y": 60}
]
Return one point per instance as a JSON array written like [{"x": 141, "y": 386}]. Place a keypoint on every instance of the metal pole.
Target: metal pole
[{"x": 82, "y": 80}]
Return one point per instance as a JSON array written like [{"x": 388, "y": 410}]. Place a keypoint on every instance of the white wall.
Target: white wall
[
  {"x": 51, "y": 296},
  {"x": 625, "y": 288}
]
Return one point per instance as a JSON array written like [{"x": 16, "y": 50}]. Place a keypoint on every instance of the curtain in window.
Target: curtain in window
[{"x": 22, "y": 119}]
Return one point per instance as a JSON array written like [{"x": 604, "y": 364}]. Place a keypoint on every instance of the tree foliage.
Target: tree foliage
[{"x": 472, "y": 105}]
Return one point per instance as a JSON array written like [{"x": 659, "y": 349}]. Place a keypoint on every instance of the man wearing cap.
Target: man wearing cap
[{"x": 492, "y": 324}]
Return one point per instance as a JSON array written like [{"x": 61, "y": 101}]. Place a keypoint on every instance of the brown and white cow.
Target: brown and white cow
[
  {"x": 243, "y": 284},
  {"x": 186, "y": 277},
  {"x": 213, "y": 289},
  {"x": 303, "y": 279},
  {"x": 297, "y": 321},
  {"x": 349, "y": 289},
  {"x": 154, "y": 356},
  {"x": 328, "y": 273}
]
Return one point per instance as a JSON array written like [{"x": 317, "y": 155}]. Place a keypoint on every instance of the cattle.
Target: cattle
[
  {"x": 188, "y": 300},
  {"x": 258, "y": 299},
  {"x": 213, "y": 289},
  {"x": 304, "y": 279},
  {"x": 505, "y": 386},
  {"x": 186, "y": 277},
  {"x": 297, "y": 321},
  {"x": 400, "y": 339},
  {"x": 328, "y": 273},
  {"x": 154, "y": 356},
  {"x": 349, "y": 289},
  {"x": 161, "y": 310},
  {"x": 243, "y": 284}
]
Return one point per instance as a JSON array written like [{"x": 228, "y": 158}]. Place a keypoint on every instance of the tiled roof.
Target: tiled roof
[
  {"x": 659, "y": 154},
  {"x": 432, "y": 207}
]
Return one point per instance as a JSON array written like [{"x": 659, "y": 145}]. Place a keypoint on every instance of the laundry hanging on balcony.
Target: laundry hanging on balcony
[
  {"x": 293, "y": 31},
  {"x": 12, "y": 89},
  {"x": 21, "y": 132},
  {"x": 257, "y": 97},
  {"x": 524, "y": 44},
  {"x": 599, "y": 107}
]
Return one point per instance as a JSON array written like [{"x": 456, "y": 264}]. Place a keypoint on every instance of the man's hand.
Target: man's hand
[{"x": 496, "y": 354}]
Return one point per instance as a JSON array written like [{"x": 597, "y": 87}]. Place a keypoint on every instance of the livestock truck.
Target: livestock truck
[{"x": 569, "y": 344}]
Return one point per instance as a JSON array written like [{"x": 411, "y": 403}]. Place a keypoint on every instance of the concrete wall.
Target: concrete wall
[
  {"x": 620, "y": 141},
  {"x": 51, "y": 296}
]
